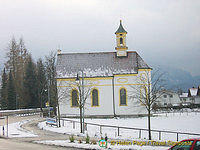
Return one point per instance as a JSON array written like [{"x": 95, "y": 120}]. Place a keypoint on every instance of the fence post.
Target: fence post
[
  {"x": 118, "y": 131},
  {"x": 177, "y": 136},
  {"x": 7, "y": 124},
  {"x": 73, "y": 125},
  {"x": 139, "y": 134},
  {"x": 159, "y": 135},
  {"x": 63, "y": 123},
  {"x": 85, "y": 126},
  {"x": 3, "y": 131},
  {"x": 100, "y": 129}
]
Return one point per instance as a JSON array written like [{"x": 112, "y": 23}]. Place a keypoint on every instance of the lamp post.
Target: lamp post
[{"x": 82, "y": 101}]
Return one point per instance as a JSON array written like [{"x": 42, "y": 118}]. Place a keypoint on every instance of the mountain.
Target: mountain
[
  {"x": 197, "y": 79},
  {"x": 176, "y": 78}
]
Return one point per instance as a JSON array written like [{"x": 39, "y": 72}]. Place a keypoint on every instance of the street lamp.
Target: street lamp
[{"x": 82, "y": 102}]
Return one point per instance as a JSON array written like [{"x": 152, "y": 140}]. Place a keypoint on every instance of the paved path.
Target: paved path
[
  {"x": 42, "y": 134},
  {"x": 27, "y": 143}
]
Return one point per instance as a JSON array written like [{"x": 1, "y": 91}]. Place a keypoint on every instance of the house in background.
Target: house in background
[
  {"x": 168, "y": 99},
  {"x": 171, "y": 99},
  {"x": 193, "y": 95},
  {"x": 191, "y": 98},
  {"x": 109, "y": 79},
  {"x": 185, "y": 99}
]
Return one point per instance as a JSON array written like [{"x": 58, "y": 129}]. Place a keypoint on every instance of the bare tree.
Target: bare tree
[
  {"x": 147, "y": 91},
  {"x": 50, "y": 66},
  {"x": 84, "y": 90}
]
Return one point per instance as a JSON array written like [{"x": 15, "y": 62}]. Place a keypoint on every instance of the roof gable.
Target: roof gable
[{"x": 192, "y": 92}]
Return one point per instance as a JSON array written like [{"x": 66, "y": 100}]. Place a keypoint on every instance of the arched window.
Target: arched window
[
  {"x": 123, "y": 100},
  {"x": 95, "y": 97},
  {"x": 121, "y": 40},
  {"x": 74, "y": 97}
]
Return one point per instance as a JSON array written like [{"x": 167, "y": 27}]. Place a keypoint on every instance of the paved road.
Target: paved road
[
  {"x": 27, "y": 143},
  {"x": 12, "y": 144}
]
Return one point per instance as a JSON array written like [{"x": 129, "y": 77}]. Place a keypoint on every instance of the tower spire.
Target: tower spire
[{"x": 121, "y": 41}]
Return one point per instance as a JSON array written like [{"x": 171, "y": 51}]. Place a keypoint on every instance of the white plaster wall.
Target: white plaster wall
[
  {"x": 105, "y": 89},
  {"x": 105, "y": 99},
  {"x": 105, "y": 107},
  {"x": 134, "y": 106}
]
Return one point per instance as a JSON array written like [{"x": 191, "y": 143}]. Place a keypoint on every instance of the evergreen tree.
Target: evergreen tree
[
  {"x": 11, "y": 94},
  {"x": 13, "y": 56},
  {"x": 30, "y": 85},
  {"x": 16, "y": 58},
  {"x": 21, "y": 61},
  {"x": 4, "y": 102}
]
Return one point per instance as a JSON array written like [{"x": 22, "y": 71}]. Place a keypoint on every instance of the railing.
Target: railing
[
  {"x": 140, "y": 130},
  {"x": 22, "y": 111}
]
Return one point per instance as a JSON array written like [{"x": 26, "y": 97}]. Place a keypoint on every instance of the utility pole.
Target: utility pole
[{"x": 49, "y": 100}]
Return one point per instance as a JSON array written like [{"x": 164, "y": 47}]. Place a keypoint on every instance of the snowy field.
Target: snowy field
[{"x": 178, "y": 122}]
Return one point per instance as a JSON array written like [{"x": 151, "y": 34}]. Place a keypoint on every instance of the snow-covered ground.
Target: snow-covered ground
[
  {"x": 178, "y": 122},
  {"x": 15, "y": 130},
  {"x": 90, "y": 146}
]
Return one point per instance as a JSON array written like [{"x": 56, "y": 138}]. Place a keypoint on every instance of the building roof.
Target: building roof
[
  {"x": 100, "y": 64},
  {"x": 184, "y": 95},
  {"x": 120, "y": 29},
  {"x": 192, "y": 92}
]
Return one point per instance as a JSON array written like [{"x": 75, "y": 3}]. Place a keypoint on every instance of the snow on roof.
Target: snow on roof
[
  {"x": 184, "y": 95},
  {"x": 101, "y": 64},
  {"x": 193, "y": 91}
]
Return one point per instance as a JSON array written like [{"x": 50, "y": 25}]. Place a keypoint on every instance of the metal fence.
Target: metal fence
[{"x": 138, "y": 132}]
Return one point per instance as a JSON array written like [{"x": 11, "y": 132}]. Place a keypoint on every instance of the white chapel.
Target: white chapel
[{"x": 107, "y": 81}]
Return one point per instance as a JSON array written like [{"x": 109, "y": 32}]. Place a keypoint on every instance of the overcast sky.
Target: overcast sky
[{"x": 161, "y": 31}]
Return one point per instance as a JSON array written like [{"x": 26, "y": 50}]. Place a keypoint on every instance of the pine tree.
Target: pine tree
[
  {"x": 13, "y": 56},
  {"x": 30, "y": 85},
  {"x": 21, "y": 61},
  {"x": 16, "y": 58},
  {"x": 11, "y": 94},
  {"x": 4, "y": 102}
]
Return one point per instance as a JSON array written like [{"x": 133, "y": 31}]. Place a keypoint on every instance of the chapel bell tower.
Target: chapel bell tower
[{"x": 121, "y": 41}]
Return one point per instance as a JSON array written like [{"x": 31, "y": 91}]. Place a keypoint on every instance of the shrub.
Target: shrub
[
  {"x": 80, "y": 141},
  {"x": 87, "y": 139},
  {"x": 71, "y": 138},
  {"x": 93, "y": 142}
]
